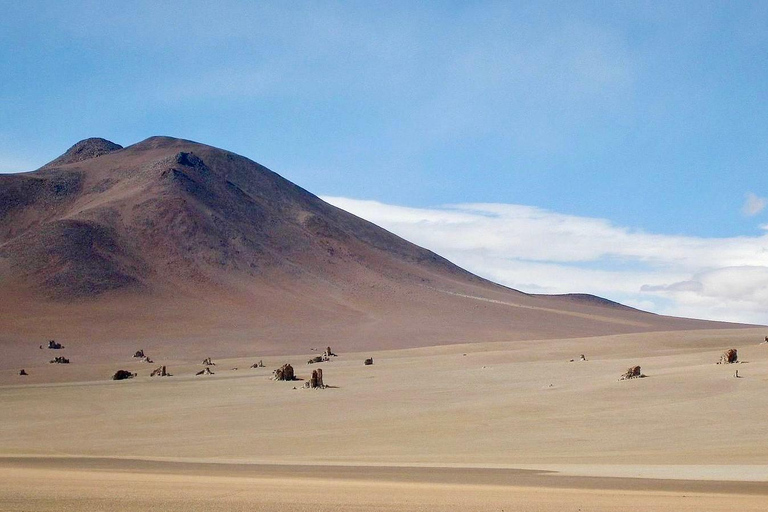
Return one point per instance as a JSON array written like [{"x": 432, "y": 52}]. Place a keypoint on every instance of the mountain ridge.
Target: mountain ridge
[{"x": 169, "y": 225}]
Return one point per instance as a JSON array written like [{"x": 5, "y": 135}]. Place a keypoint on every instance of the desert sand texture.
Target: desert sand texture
[{"x": 689, "y": 436}]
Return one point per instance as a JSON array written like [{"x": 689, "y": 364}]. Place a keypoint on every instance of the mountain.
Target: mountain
[{"x": 191, "y": 249}]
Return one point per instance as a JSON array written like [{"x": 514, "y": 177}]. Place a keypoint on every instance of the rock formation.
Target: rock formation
[
  {"x": 368, "y": 361},
  {"x": 633, "y": 372},
  {"x": 160, "y": 371},
  {"x": 328, "y": 352},
  {"x": 316, "y": 380},
  {"x": 60, "y": 360},
  {"x": 317, "y": 359},
  {"x": 285, "y": 372},
  {"x": 122, "y": 375},
  {"x": 52, "y": 344},
  {"x": 260, "y": 364},
  {"x": 729, "y": 356},
  {"x": 207, "y": 362},
  {"x": 139, "y": 354},
  {"x": 205, "y": 371}
]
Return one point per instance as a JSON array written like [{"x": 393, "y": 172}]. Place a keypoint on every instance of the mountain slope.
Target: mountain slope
[{"x": 169, "y": 240}]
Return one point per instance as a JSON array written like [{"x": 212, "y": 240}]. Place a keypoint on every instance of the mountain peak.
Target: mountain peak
[{"x": 85, "y": 150}]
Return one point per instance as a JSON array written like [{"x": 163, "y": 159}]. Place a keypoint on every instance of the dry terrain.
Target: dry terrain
[{"x": 486, "y": 426}]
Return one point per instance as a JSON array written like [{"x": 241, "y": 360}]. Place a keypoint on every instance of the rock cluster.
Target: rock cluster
[
  {"x": 260, "y": 364},
  {"x": 285, "y": 372},
  {"x": 122, "y": 375},
  {"x": 316, "y": 380},
  {"x": 729, "y": 356},
  {"x": 633, "y": 372},
  {"x": 60, "y": 360},
  {"x": 160, "y": 371}
]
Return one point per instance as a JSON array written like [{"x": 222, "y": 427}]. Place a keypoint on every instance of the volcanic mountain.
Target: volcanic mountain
[{"x": 195, "y": 250}]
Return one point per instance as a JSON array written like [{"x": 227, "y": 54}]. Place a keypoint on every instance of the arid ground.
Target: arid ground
[{"x": 488, "y": 426}]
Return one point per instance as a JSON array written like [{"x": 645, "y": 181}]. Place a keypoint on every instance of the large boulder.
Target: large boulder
[
  {"x": 633, "y": 372},
  {"x": 285, "y": 372},
  {"x": 122, "y": 375},
  {"x": 316, "y": 380},
  {"x": 730, "y": 356}
]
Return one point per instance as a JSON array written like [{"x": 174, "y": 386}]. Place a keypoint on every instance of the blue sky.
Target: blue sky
[{"x": 650, "y": 116}]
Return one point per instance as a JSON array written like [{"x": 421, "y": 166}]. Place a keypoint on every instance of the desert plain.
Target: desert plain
[{"x": 484, "y": 426}]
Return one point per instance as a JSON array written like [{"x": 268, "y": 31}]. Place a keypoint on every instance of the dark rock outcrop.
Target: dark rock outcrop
[
  {"x": 285, "y": 372},
  {"x": 316, "y": 380},
  {"x": 633, "y": 372},
  {"x": 122, "y": 375},
  {"x": 730, "y": 356}
]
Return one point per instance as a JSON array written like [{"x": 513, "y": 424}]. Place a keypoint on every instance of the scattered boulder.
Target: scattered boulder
[
  {"x": 23, "y": 372},
  {"x": 160, "y": 371},
  {"x": 316, "y": 380},
  {"x": 207, "y": 362},
  {"x": 122, "y": 375},
  {"x": 205, "y": 371},
  {"x": 285, "y": 372},
  {"x": 53, "y": 344},
  {"x": 368, "y": 361},
  {"x": 633, "y": 372},
  {"x": 60, "y": 360},
  {"x": 139, "y": 354},
  {"x": 729, "y": 356},
  {"x": 260, "y": 364}
]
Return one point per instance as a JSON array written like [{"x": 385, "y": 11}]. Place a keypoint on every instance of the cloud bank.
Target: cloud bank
[{"x": 541, "y": 251}]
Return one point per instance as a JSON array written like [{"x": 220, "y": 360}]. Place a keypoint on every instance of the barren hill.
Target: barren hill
[{"x": 193, "y": 250}]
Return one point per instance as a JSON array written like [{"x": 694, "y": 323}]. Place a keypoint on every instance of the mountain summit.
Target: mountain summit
[{"x": 170, "y": 239}]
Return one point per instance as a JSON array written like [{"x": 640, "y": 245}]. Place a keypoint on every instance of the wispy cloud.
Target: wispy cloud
[
  {"x": 541, "y": 251},
  {"x": 753, "y": 204}
]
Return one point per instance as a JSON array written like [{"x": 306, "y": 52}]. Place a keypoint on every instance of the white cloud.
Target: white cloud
[
  {"x": 753, "y": 204},
  {"x": 541, "y": 251}
]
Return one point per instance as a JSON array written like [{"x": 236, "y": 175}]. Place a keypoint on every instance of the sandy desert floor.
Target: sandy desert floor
[{"x": 490, "y": 426}]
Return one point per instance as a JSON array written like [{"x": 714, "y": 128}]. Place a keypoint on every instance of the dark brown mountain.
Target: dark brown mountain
[{"x": 171, "y": 244}]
